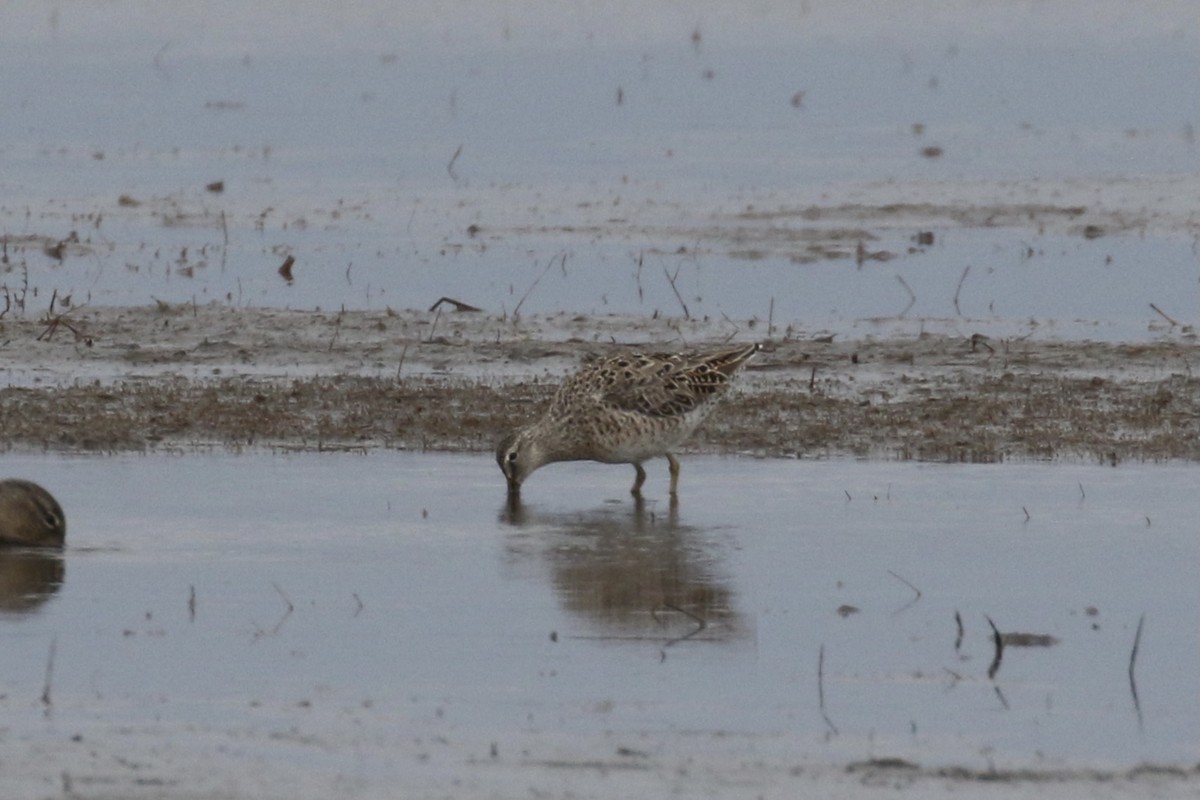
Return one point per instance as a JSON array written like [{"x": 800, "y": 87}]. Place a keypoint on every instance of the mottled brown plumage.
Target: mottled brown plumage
[
  {"x": 30, "y": 516},
  {"x": 624, "y": 409}
]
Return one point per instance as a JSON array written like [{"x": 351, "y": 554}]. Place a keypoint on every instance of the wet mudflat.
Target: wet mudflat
[
  {"x": 967, "y": 233},
  {"x": 294, "y": 625}
]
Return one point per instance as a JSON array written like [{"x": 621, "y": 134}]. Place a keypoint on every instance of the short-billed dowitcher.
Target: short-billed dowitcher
[
  {"x": 623, "y": 410},
  {"x": 29, "y": 515}
]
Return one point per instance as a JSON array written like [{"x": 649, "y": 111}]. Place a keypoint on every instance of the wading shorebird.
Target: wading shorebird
[
  {"x": 30, "y": 516},
  {"x": 624, "y": 409}
]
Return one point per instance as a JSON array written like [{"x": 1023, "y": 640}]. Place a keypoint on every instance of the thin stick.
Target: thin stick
[
  {"x": 998, "y": 640},
  {"x": 225, "y": 237},
  {"x": 1163, "y": 314},
  {"x": 958, "y": 289},
  {"x": 771, "y": 317},
  {"x": 459, "y": 305},
  {"x": 906, "y": 583},
  {"x": 912, "y": 296},
  {"x": 290, "y": 607},
  {"x": 701, "y": 624},
  {"x": 671, "y": 280},
  {"x": 637, "y": 276},
  {"x": 1137, "y": 640},
  {"x": 49, "y": 672},
  {"x": 336, "y": 330},
  {"x": 400, "y": 366},
  {"x": 450, "y": 166},
  {"x": 821, "y": 690},
  {"x": 191, "y": 603},
  {"x": 959, "y": 624},
  {"x": 517, "y": 311}
]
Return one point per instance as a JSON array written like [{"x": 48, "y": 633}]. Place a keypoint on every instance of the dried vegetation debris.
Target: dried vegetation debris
[{"x": 186, "y": 377}]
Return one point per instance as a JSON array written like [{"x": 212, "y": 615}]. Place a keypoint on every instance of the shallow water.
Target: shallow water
[
  {"x": 389, "y": 617},
  {"x": 335, "y": 135}
]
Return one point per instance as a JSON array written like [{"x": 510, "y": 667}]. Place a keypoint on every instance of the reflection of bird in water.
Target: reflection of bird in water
[
  {"x": 28, "y": 578},
  {"x": 624, "y": 409},
  {"x": 636, "y": 575},
  {"x": 30, "y": 516}
]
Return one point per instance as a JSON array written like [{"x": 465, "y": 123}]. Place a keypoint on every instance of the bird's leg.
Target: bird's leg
[
  {"x": 674, "y": 467},
  {"x": 636, "y": 491}
]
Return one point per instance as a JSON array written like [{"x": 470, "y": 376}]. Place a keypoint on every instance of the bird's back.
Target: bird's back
[{"x": 636, "y": 405}]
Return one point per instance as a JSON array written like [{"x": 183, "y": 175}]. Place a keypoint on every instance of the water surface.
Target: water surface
[{"x": 382, "y": 615}]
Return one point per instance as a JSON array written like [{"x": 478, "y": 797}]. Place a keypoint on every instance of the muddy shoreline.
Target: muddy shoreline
[{"x": 186, "y": 377}]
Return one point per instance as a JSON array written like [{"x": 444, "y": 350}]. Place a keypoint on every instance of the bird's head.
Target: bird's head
[{"x": 519, "y": 454}]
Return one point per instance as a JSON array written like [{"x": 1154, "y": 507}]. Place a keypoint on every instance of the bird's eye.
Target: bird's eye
[{"x": 512, "y": 456}]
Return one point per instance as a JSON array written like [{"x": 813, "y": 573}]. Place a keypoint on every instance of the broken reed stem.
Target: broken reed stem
[
  {"x": 912, "y": 296},
  {"x": 1137, "y": 641},
  {"x": 450, "y": 165},
  {"x": 916, "y": 591},
  {"x": 998, "y": 640},
  {"x": 286, "y": 599},
  {"x": 637, "y": 276},
  {"x": 958, "y": 289},
  {"x": 821, "y": 690},
  {"x": 49, "y": 672},
  {"x": 337, "y": 329},
  {"x": 1163, "y": 314},
  {"x": 517, "y": 311},
  {"x": 436, "y": 316},
  {"x": 671, "y": 280},
  {"x": 958, "y": 639},
  {"x": 400, "y": 366}
]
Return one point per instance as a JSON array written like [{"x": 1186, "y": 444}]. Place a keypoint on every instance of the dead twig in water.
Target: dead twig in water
[
  {"x": 1137, "y": 641},
  {"x": 821, "y": 690},
  {"x": 450, "y": 166},
  {"x": 959, "y": 637},
  {"x": 400, "y": 366},
  {"x": 958, "y": 289},
  {"x": 53, "y": 322},
  {"x": 337, "y": 329},
  {"x": 286, "y": 599},
  {"x": 671, "y": 280},
  {"x": 1163, "y": 314},
  {"x": 701, "y": 624},
  {"x": 998, "y": 640},
  {"x": 916, "y": 593},
  {"x": 912, "y": 296},
  {"x": 517, "y": 311},
  {"x": 191, "y": 603},
  {"x": 285, "y": 270},
  {"x": 49, "y": 673},
  {"x": 259, "y": 631},
  {"x": 225, "y": 238},
  {"x": 637, "y": 276},
  {"x": 459, "y": 305},
  {"x": 433, "y": 327}
]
